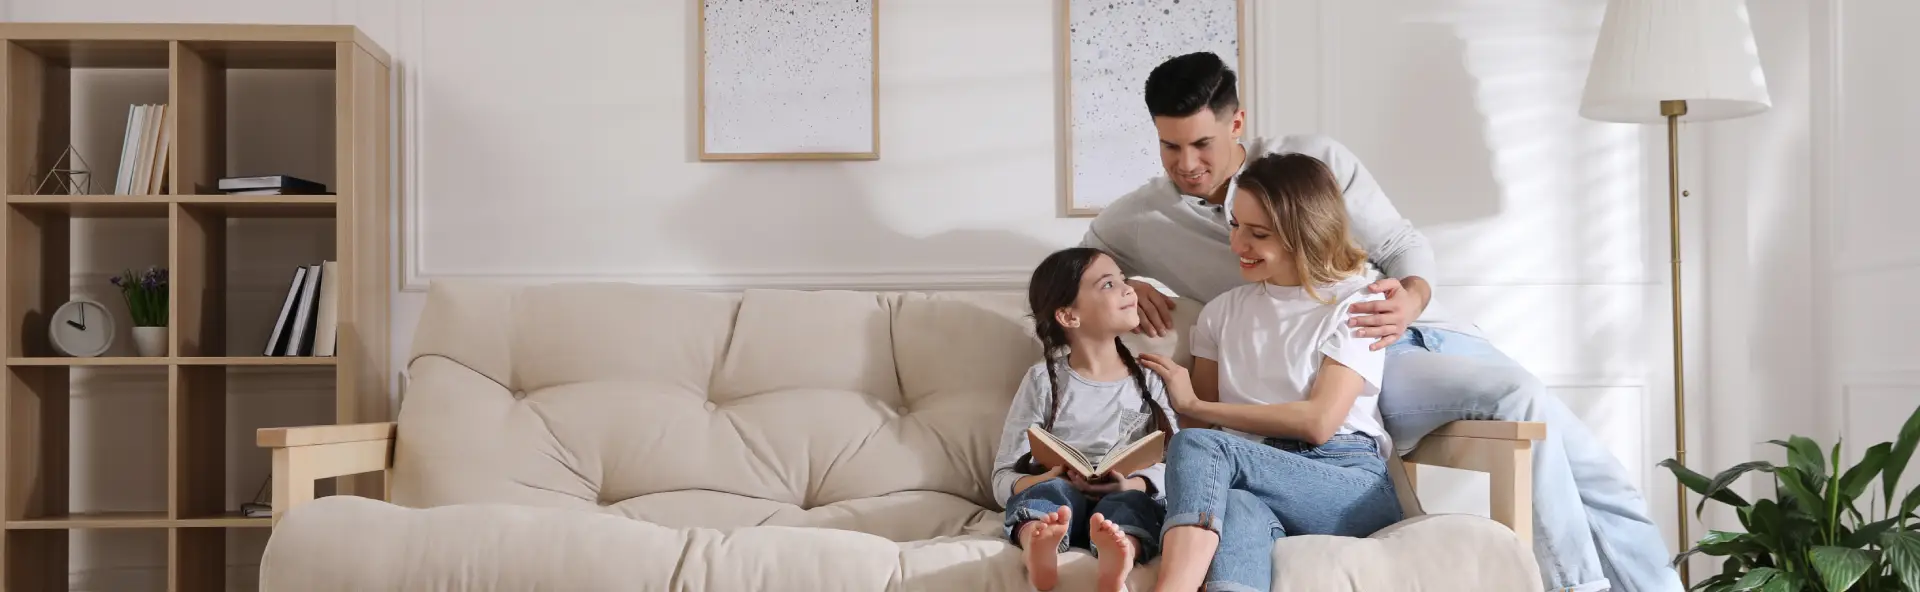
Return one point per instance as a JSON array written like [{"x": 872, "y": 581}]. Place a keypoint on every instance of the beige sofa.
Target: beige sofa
[{"x": 618, "y": 437}]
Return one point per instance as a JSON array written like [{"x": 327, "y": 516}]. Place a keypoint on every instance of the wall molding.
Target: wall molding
[{"x": 1005, "y": 278}]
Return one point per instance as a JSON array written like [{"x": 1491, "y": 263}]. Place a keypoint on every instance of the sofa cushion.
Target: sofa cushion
[
  {"x": 769, "y": 407},
  {"x": 350, "y": 543}
]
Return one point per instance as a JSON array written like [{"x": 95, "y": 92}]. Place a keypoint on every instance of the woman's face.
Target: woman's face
[{"x": 1253, "y": 238}]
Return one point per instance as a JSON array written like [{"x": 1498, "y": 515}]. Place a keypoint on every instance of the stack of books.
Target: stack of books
[
  {"x": 308, "y": 316},
  {"x": 271, "y": 185},
  {"x": 143, "y": 153}
]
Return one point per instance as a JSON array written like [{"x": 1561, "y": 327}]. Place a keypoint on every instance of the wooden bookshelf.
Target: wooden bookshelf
[{"x": 36, "y": 259}]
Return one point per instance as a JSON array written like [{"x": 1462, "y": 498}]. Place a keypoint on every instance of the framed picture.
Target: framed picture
[
  {"x": 1111, "y": 46},
  {"x": 789, "y": 80}
]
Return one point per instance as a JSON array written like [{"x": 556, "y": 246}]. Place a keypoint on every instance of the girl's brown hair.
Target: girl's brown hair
[{"x": 1309, "y": 216}]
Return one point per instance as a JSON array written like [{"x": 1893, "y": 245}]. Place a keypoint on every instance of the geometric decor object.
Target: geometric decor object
[
  {"x": 1111, "y": 46},
  {"x": 70, "y": 178},
  {"x": 789, "y": 80}
]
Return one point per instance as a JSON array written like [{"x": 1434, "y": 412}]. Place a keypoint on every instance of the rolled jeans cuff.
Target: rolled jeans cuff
[
  {"x": 1207, "y": 520},
  {"x": 1023, "y": 515}
]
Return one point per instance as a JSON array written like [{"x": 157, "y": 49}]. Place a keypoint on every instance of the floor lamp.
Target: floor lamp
[{"x": 1673, "y": 61}]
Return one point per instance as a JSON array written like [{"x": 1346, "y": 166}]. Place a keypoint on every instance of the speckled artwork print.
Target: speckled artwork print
[
  {"x": 789, "y": 76},
  {"x": 1113, "y": 45}
]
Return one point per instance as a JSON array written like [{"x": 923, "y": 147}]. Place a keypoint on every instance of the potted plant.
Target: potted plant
[
  {"x": 1816, "y": 535},
  {"x": 146, "y": 295}
]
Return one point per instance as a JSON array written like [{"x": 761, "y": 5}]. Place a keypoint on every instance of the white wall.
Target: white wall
[{"x": 1551, "y": 230}]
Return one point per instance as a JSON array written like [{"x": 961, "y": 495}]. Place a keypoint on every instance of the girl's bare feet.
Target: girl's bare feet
[
  {"x": 1116, "y": 553},
  {"x": 1041, "y": 540}
]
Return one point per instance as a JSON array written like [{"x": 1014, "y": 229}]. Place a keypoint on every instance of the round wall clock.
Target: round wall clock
[{"x": 81, "y": 328}]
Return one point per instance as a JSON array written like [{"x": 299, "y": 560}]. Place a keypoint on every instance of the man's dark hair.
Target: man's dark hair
[{"x": 1181, "y": 86}]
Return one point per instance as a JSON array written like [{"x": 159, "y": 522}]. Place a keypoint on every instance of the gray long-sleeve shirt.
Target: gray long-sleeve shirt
[
  {"x": 1181, "y": 240},
  {"x": 1094, "y": 417}
]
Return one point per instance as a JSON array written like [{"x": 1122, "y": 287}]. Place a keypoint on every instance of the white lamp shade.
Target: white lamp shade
[{"x": 1698, "y": 51}]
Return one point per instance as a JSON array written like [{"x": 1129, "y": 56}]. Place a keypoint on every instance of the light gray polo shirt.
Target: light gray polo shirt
[{"x": 1181, "y": 240}]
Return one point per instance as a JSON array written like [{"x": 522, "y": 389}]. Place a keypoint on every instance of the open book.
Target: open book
[{"x": 1049, "y": 450}]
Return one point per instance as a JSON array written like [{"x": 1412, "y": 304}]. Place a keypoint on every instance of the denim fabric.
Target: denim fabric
[
  {"x": 1136, "y": 512},
  {"x": 1591, "y": 528},
  {"x": 1253, "y": 494}
]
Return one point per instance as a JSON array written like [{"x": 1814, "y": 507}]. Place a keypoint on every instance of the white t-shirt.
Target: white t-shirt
[{"x": 1269, "y": 341}]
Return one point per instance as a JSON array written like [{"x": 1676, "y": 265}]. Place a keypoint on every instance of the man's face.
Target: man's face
[{"x": 1196, "y": 149}]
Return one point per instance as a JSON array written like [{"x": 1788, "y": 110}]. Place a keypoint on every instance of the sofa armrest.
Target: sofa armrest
[
  {"x": 303, "y": 455},
  {"x": 1501, "y": 449}
]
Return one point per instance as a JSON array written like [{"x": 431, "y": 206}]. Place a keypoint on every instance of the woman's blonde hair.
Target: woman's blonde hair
[{"x": 1309, "y": 216}]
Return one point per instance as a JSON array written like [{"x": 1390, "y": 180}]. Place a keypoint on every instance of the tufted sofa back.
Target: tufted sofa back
[{"x": 866, "y": 411}]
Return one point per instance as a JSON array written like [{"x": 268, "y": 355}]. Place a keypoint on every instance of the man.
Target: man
[{"x": 1590, "y": 524}]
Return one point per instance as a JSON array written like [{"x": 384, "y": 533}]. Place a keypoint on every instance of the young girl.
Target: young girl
[
  {"x": 1089, "y": 391},
  {"x": 1300, "y": 447}
]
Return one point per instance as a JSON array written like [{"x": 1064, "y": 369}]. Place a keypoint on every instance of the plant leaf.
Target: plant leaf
[
  {"x": 1857, "y": 478},
  {"x": 1803, "y": 495},
  {"x": 1840, "y": 567},
  {"x": 1903, "y": 551},
  {"x": 1754, "y": 579},
  {"x": 1901, "y": 453},
  {"x": 1698, "y": 484},
  {"x": 1870, "y": 533},
  {"x": 1727, "y": 477},
  {"x": 1908, "y": 505},
  {"x": 1804, "y": 454}
]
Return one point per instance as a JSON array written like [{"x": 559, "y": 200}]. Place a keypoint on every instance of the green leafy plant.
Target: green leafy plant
[
  {"x": 1814, "y": 537},
  {"x": 146, "y": 294}
]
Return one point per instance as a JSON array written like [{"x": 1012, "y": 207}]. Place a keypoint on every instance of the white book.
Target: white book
[
  {"x": 281, "y": 327},
  {"x": 326, "y": 333},
  {"x": 121, "y": 182},
  {"x": 142, "y": 175},
  {"x": 163, "y": 133},
  {"x": 300, "y": 341}
]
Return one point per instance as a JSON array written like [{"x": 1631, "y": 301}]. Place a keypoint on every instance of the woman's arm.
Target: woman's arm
[
  {"x": 1314, "y": 420},
  {"x": 1206, "y": 387}
]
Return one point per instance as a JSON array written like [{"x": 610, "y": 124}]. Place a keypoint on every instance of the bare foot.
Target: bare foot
[
  {"x": 1116, "y": 553},
  {"x": 1041, "y": 540}
]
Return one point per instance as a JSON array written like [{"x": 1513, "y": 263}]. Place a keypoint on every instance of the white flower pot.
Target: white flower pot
[{"x": 150, "y": 341}]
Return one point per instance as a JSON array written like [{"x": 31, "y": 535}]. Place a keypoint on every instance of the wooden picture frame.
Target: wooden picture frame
[
  {"x": 713, "y": 146},
  {"x": 1127, "y": 98}
]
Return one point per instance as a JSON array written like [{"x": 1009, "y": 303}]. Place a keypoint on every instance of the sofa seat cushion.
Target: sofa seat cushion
[{"x": 352, "y": 543}]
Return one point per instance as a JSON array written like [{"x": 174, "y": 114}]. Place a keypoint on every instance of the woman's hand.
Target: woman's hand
[{"x": 1179, "y": 384}]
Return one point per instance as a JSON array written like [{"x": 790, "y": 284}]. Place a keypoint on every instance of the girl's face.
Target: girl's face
[
  {"x": 1105, "y": 304},
  {"x": 1262, "y": 258}
]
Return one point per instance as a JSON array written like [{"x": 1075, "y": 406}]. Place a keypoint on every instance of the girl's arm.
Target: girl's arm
[
  {"x": 1314, "y": 421},
  {"x": 1206, "y": 387},
  {"x": 1027, "y": 409}
]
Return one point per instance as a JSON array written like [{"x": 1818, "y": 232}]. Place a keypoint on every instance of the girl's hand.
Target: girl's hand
[
  {"x": 1023, "y": 483},
  {"x": 1179, "y": 385},
  {"x": 1096, "y": 488}
]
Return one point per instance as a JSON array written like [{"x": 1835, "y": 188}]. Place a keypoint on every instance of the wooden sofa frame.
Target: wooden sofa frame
[{"x": 1501, "y": 449}]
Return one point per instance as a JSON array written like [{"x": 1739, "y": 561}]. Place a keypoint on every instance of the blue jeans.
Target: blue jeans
[
  {"x": 1590, "y": 526},
  {"x": 1253, "y": 494},
  {"x": 1135, "y": 512}
]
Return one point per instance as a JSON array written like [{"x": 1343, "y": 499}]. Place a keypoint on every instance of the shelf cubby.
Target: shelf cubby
[{"x": 329, "y": 122}]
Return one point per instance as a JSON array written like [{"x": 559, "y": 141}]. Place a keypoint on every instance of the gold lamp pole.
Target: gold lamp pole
[
  {"x": 1657, "y": 61},
  {"x": 1672, "y": 110}
]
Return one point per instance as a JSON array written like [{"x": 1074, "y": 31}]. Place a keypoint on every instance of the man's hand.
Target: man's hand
[
  {"x": 1178, "y": 383},
  {"x": 1388, "y": 319},
  {"x": 1156, "y": 309}
]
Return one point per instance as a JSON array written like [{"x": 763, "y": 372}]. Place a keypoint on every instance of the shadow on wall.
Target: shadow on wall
[
  {"x": 1446, "y": 175},
  {"x": 778, "y": 217}
]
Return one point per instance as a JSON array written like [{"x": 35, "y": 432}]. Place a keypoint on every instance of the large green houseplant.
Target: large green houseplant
[{"x": 1815, "y": 536}]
